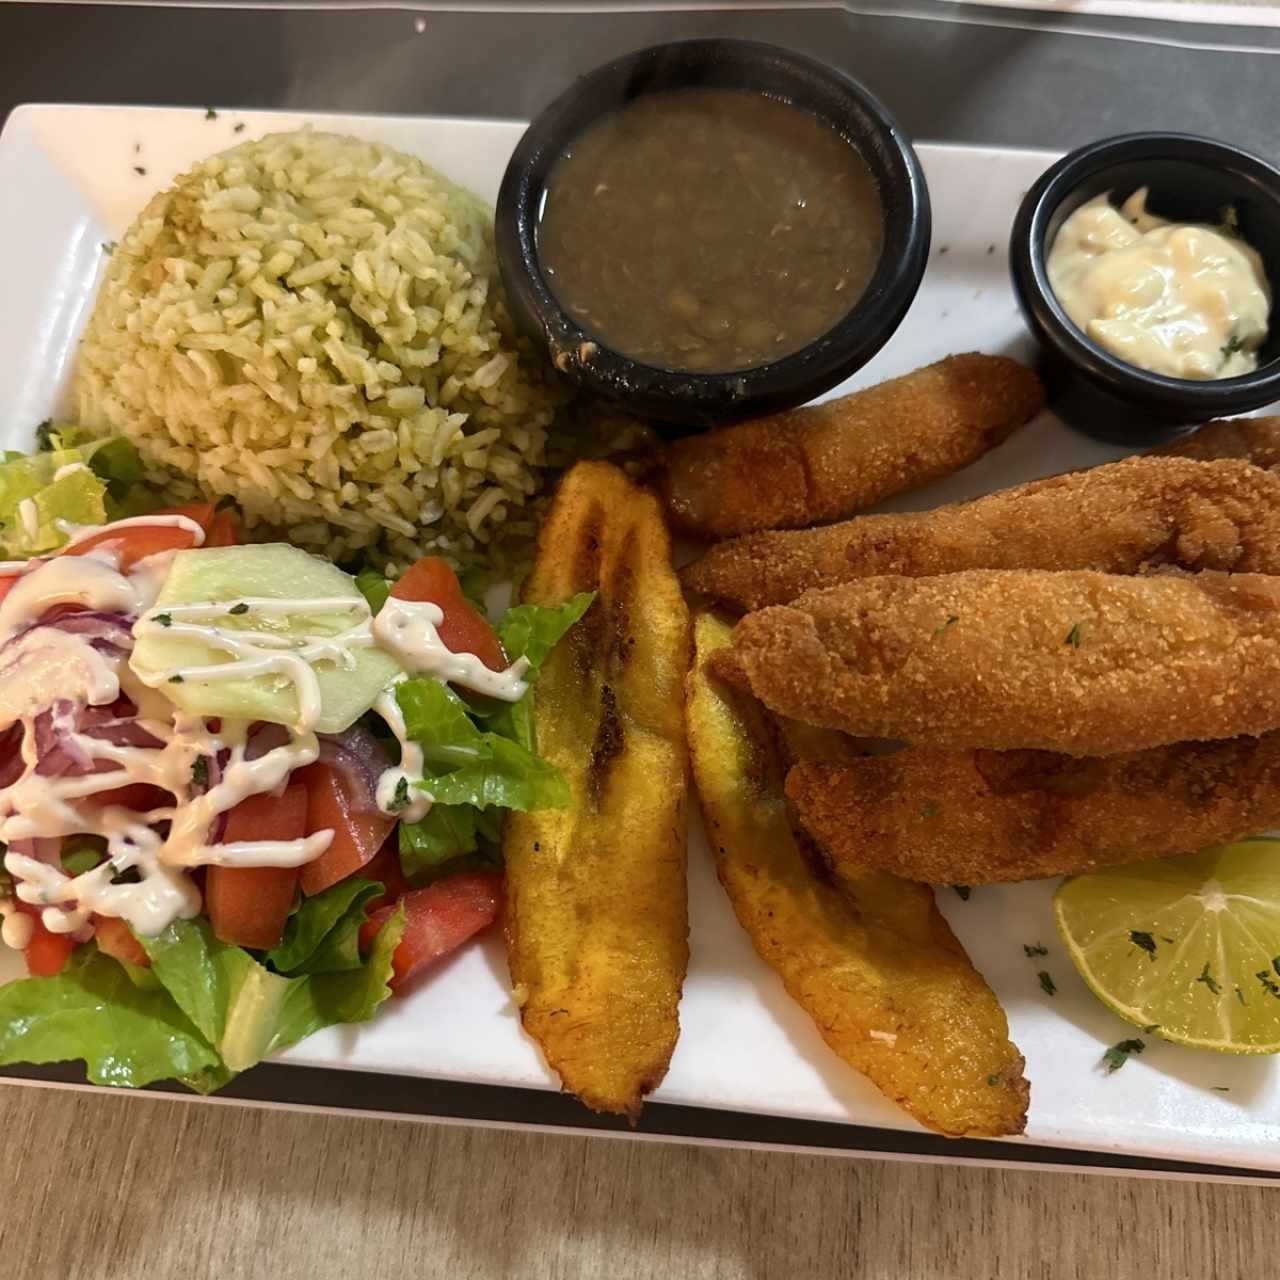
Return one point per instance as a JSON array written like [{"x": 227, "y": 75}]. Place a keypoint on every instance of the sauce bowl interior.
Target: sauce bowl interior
[
  {"x": 691, "y": 401},
  {"x": 1189, "y": 179}
]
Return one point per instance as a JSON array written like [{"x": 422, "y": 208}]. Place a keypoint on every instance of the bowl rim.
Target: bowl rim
[
  {"x": 690, "y": 396},
  {"x": 1028, "y": 257}
]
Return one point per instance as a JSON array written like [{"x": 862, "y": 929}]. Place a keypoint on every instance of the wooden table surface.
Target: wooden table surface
[{"x": 143, "y": 1187}]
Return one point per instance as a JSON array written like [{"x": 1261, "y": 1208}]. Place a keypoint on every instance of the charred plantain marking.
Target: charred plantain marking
[
  {"x": 608, "y": 745},
  {"x": 619, "y": 590}
]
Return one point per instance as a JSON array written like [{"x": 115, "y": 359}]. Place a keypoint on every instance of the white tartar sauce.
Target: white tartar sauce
[{"x": 1179, "y": 299}]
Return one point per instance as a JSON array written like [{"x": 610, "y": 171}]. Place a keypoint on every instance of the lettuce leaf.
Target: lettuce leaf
[
  {"x": 512, "y": 777},
  {"x": 490, "y": 768},
  {"x": 374, "y": 587},
  {"x": 247, "y": 1012},
  {"x": 323, "y": 934},
  {"x": 125, "y": 1035},
  {"x": 98, "y": 476},
  {"x": 531, "y": 631}
]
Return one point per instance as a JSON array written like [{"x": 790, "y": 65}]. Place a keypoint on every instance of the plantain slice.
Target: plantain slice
[
  {"x": 872, "y": 962},
  {"x": 596, "y": 907}
]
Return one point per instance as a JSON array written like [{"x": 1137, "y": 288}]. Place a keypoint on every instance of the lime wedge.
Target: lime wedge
[{"x": 1187, "y": 948}]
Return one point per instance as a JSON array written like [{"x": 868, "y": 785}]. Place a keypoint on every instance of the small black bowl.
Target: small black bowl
[
  {"x": 1191, "y": 179},
  {"x": 691, "y": 401}
]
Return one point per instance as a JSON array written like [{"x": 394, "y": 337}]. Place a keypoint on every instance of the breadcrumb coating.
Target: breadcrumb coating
[
  {"x": 982, "y": 817},
  {"x": 1079, "y": 662},
  {"x": 1125, "y": 517},
  {"x": 826, "y": 461}
]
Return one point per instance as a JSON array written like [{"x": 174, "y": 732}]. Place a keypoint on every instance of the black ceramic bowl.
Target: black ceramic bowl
[
  {"x": 1191, "y": 180},
  {"x": 689, "y": 401}
]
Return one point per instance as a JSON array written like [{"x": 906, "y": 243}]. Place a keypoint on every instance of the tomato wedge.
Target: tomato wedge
[
  {"x": 249, "y": 905},
  {"x": 464, "y": 629},
  {"x": 46, "y": 952},
  {"x": 135, "y": 542},
  {"x": 223, "y": 531},
  {"x": 438, "y": 920},
  {"x": 359, "y": 831},
  {"x": 115, "y": 938}
]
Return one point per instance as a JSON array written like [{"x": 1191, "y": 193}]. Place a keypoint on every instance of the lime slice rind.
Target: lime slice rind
[{"x": 1189, "y": 946}]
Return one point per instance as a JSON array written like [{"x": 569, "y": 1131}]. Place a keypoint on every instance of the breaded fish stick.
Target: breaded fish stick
[
  {"x": 1255, "y": 440},
  {"x": 1079, "y": 662},
  {"x": 1120, "y": 518},
  {"x": 981, "y": 817},
  {"x": 826, "y": 461}
]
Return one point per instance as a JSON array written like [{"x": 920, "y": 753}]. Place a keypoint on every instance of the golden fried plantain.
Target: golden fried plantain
[
  {"x": 872, "y": 962},
  {"x": 596, "y": 909}
]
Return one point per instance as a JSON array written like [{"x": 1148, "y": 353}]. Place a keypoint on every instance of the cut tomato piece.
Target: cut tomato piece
[
  {"x": 464, "y": 629},
  {"x": 385, "y": 868},
  {"x": 6, "y": 585},
  {"x": 249, "y": 905},
  {"x": 135, "y": 542},
  {"x": 358, "y": 830},
  {"x": 115, "y": 938},
  {"x": 223, "y": 531},
  {"x": 141, "y": 797},
  {"x": 46, "y": 952},
  {"x": 438, "y": 920}
]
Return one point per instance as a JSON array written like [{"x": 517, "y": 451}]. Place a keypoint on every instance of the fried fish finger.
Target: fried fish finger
[
  {"x": 596, "y": 916},
  {"x": 1121, "y": 518},
  {"x": 1255, "y": 440},
  {"x": 826, "y": 461},
  {"x": 983, "y": 817},
  {"x": 872, "y": 961},
  {"x": 1078, "y": 662}
]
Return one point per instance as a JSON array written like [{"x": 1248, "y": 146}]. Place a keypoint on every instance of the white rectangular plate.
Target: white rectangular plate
[{"x": 70, "y": 181}]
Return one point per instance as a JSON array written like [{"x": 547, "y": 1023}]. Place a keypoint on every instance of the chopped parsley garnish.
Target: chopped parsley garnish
[
  {"x": 401, "y": 798},
  {"x": 963, "y": 890},
  {"x": 200, "y": 772},
  {"x": 1219, "y": 1088},
  {"x": 210, "y": 113},
  {"x": 929, "y": 811},
  {"x": 952, "y": 619},
  {"x": 139, "y": 170},
  {"x": 1073, "y": 636},
  {"x": 1240, "y": 996},
  {"x": 993, "y": 1079},
  {"x": 1047, "y": 983},
  {"x": 43, "y": 431},
  {"x": 109, "y": 246},
  {"x": 175, "y": 679},
  {"x": 1268, "y": 983},
  {"x": 238, "y": 609},
  {"x": 1031, "y": 951},
  {"x": 1209, "y": 980},
  {"x": 1119, "y": 1054},
  {"x": 1139, "y": 938},
  {"x": 1151, "y": 1030},
  {"x": 164, "y": 619},
  {"x": 239, "y": 128},
  {"x": 1234, "y": 343}
]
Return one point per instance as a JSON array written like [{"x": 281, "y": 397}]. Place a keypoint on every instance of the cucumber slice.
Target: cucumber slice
[{"x": 274, "y": 571}]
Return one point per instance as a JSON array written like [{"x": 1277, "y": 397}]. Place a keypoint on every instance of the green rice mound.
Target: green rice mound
[{"x": 313, "y": 325}]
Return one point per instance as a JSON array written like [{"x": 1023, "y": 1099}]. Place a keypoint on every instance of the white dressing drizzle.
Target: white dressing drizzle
[
  {"x": 407, "y": 629},
  {"x": 399, "y": 788},
  {"x": 258, "y": 653},
  {"x": 56, "y": 665}
]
